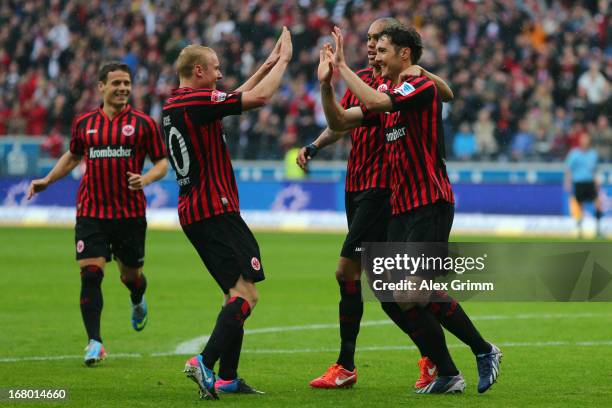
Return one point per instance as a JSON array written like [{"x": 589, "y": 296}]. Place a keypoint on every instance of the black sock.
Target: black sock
[
  {"x": 227, "y": 329},
  {"x": 228, "y": 363},
  {"x": 395, "y": 313},
  {"x": 91, "y": 300},
  {"x": 452, "y": 316},
  {"x": 428, "y": 335},
  {"x": 137, "y": 287},
  {"x": 350, "y": 313}
]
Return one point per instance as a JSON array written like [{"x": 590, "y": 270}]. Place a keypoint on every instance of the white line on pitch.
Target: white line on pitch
[
  {"x": 192, "y": 346},
  {"x": 598, "y": 343}
]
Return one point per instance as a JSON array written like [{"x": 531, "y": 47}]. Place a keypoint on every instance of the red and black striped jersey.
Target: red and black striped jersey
[
  {"x": 415, "y": 142},
  {"x": 111, "y": 148},
  {"x": 366, "y": 167},
  {"x": 198, "y": 153}
]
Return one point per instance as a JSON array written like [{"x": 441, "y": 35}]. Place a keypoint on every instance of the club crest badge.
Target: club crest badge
[{"x": 127, "y": 130}]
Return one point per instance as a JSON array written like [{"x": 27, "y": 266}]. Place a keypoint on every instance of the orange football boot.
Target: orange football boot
[
  {"x": 336, "y": 376},
  {"x": 429, "y": 372}
]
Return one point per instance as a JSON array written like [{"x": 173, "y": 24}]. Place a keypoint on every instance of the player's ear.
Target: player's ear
[
  {"x": 406, "y": 54},
  {"x": 101, "y": 86},
  {"x": 197, "y": 71}
]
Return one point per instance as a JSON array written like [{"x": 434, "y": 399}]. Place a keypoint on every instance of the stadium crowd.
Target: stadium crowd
[{"x": 529, "y": 76}]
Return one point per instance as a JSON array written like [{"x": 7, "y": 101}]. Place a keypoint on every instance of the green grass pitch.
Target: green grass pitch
[{"x": 554, "y": 354}]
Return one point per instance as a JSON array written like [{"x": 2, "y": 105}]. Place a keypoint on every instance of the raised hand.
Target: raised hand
[
  {"x": 326, "y": 69},
  {"x": 275, "y": 54},
  {"x": 413, "y": 70},
  {"x": 339, "y": 53},
  {"x": 286, "y": 48}
]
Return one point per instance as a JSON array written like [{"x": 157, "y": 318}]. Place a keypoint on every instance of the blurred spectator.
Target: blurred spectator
[
  {"x": 5, "y": 115},
  {"x": 483, "y": 131},
  {"x": 602, "y": 138},
  {"x": 574, "y": 135},
  {"x": 53, "y": 145},
  {"x": 523, "y": 143},
  {"x": 35, "y": 115},
  {"x": 543, "y": 147},
  {"x": 596, "y": 88},
  {"x": 464, "y": 143}
]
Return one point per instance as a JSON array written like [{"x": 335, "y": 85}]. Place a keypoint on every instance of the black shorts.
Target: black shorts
[
  {"x": 123, "y": 238},
  {"x": 430, "y": 223},
  {"x": 368, "y": 213},
  {"x": 585, "y": 191},
  {"x": 228, "y": 248}
]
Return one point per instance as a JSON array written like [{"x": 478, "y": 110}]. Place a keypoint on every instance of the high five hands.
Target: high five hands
[{"x": 328, "y": 58}]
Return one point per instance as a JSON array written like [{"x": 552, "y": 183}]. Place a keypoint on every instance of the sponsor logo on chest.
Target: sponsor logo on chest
[
  {"x": 395, "y": 133},
  {"x": 109, "y": 152}
]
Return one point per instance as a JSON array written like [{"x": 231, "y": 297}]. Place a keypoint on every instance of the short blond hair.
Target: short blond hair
[{"x": 191, "y": 56}]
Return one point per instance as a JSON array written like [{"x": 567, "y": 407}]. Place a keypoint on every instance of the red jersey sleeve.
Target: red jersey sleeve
[{"x": 415, "y": 93}]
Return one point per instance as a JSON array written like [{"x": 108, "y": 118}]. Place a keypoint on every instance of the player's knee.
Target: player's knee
[
  {"x": 408, "y": 299},
  {"x": 253, "y": 298},
  {"x": 253, "y": 301},
  {"x": 92, "y": 275},
  {"x": 250, "y": 295},
  {"x": 130, "y": 274},
  {"x": 344, "y": 273},
  {"x": 406, "y": 306}
]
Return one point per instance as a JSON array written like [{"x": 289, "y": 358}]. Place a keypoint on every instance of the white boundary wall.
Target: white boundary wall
[{"x": 485, "y": 224}]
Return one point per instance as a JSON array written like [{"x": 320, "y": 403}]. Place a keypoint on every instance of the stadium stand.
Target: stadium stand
[{"x": 528, "y": 75}]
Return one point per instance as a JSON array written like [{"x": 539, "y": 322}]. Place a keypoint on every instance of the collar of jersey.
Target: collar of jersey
[{"x": 125, "y": 110}]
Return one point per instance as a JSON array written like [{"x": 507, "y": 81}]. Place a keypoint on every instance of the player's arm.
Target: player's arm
[
  {"x": 156, "y": 172},
  {"x": 263, "y": 91},
  {"x": 263, "y": 69},
  {"x": 338, "y": 118},
  {"x": 446, "y": 93},
  {"x": 157, "y": 153},
  {"x": 62, "y": 168},
  {"x": 308, "y": 152},
  {"x": 373, "y": 100}
]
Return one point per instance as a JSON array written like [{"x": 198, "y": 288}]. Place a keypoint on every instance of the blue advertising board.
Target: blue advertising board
[{"x": 486, "y": 198}]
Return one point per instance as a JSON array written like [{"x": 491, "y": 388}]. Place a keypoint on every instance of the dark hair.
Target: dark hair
[
  {"x": 405, "y": 37},
  {"x": 110, "y": 67}
]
